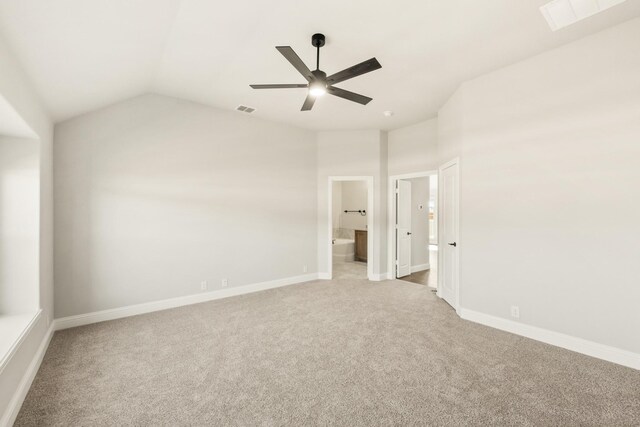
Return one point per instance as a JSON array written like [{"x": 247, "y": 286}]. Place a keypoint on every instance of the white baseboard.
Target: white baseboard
[
  {"x": 579, "y": 345},
  {"x": 420, "y": 267},
  {"x": 11, "y": 413},
  {"x": 324, "y": 276},
  {"x": 133, "y": 310},
  {"x": 378, "y": 277}
]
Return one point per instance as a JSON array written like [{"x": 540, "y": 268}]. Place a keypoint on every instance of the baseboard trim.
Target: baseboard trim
[
  {"x": 420, "y": 267},
  {"x": 133, "y": 310},
  {"x": 15, "y": 404},
  {"x": 579, "y": 345}
]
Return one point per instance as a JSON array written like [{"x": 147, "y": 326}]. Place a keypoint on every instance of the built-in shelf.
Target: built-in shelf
[{"x": 13, "y": 327}]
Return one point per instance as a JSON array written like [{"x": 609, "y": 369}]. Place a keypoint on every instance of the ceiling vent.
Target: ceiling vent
[
  {"x": 245, "y": 109},
  {"x": 561, "y": 13}
]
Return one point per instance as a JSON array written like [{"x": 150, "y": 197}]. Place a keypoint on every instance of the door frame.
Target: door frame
[
  {"x": 370, "y": 229},
  {"x": 391, "y": 214},
  {"x": 441, "y": 242}
]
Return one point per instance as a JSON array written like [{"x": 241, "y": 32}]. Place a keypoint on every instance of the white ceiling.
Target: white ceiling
[{"x": 85, "y": 54}]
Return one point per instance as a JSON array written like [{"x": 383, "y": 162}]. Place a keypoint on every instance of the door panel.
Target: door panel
[
  {"x": 403, "y": 229},
  {"x": 448, "y": 248}
]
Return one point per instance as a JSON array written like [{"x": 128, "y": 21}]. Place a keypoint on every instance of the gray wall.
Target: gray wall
[
  {"x": 353, "y": 153},
  {"x": 413, "y": 148},
  {"x": 155, "y": 195},
  {"x": 549, "y": 189}
]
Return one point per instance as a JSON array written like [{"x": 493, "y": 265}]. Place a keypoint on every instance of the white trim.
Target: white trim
[
  {"x": 133, "y": 310},
  {"x": 579, "y": 345},
  {"x": 324, "y": 276},
  {"x": 391, "y": 217},
  {"x": 16, "y": 345},
  {"x": 11, "y": 413},
  {"x": 378, "y": 277},
  {"x": 420, "y": 267},
  {"x": 370, "y": 227}
]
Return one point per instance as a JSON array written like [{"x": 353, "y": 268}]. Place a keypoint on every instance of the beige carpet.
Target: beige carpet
[{"x": 346, "y": 352}]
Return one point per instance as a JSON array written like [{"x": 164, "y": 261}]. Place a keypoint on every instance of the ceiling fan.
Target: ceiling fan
[{"x": 318, "y": 82}]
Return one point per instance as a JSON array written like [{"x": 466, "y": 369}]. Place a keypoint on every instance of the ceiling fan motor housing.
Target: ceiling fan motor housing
[{"x": 319, "y": 75}]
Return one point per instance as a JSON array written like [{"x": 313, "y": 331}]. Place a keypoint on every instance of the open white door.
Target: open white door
[
  {"x": 448, "y": 248},
  {"x": 403, "y": 229}
]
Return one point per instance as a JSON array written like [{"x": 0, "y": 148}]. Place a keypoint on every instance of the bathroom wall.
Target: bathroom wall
[{"x": 354, "y": 197}]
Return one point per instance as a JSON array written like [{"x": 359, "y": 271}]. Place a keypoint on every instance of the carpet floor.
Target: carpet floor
[{"x": 344, "y": 352}]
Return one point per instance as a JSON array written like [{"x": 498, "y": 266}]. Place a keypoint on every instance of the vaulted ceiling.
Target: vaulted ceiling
[{"x": 86, "y": 54}]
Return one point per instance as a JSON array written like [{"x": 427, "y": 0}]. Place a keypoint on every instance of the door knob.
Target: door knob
[
  {"x": 408, "y": 233},
  {"x": 454, "y": 244}
]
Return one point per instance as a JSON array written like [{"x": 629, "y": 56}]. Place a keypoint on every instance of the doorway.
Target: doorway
[
  {"x": 350, "y": 245},
  {"x": 413, "y": 222}
]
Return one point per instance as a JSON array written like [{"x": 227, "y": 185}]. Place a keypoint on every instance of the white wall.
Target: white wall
[
  {"x": 19, "y": 225},
  {"x": 414, "y": 148},
  {"x": 16, "y": 89},
  {"x": 550, "y": 194},
  {"x": 419, "y": 221},
  {"x": 155, "y": 195},
  {"x": 353, "y": 153},
  {"x": 354, "y": 198}
]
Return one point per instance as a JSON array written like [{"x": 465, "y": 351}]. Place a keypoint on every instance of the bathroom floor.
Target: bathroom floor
[{"x": 349, "y": 270}]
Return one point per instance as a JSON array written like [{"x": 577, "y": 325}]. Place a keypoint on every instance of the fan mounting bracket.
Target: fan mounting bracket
[{"x": 317, "y": 40}]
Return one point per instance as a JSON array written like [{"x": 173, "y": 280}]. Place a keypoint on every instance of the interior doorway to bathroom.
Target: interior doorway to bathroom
[
  {"x": 413, "y": 228},
  {"x": 350, "y": 227}
]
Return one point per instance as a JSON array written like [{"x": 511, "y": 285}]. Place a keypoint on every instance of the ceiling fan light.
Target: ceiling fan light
[{"x": 317, "y": 88}]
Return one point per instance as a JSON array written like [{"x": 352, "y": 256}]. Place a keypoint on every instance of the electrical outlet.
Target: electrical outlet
[
  {"x": 203, "y": 285},
  {"x": 304, "y": 268},
  {"x": 225, "y": 282},
  {"x": 515, "y": 311}
]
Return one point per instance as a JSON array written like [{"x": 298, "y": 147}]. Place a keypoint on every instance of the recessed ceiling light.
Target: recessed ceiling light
[
  {"x": 388, "y": 113},
  {"x": 561, "y": 13}
]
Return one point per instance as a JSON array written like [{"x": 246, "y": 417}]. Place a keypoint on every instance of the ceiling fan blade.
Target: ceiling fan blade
[
  {"x": 351, "y": 96},
  {"x": 357, "y": 70},
  {"x": 308, "y": 103},
  {"x": 279, "y": 86},
  {"x": 295, "y": 60}
]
